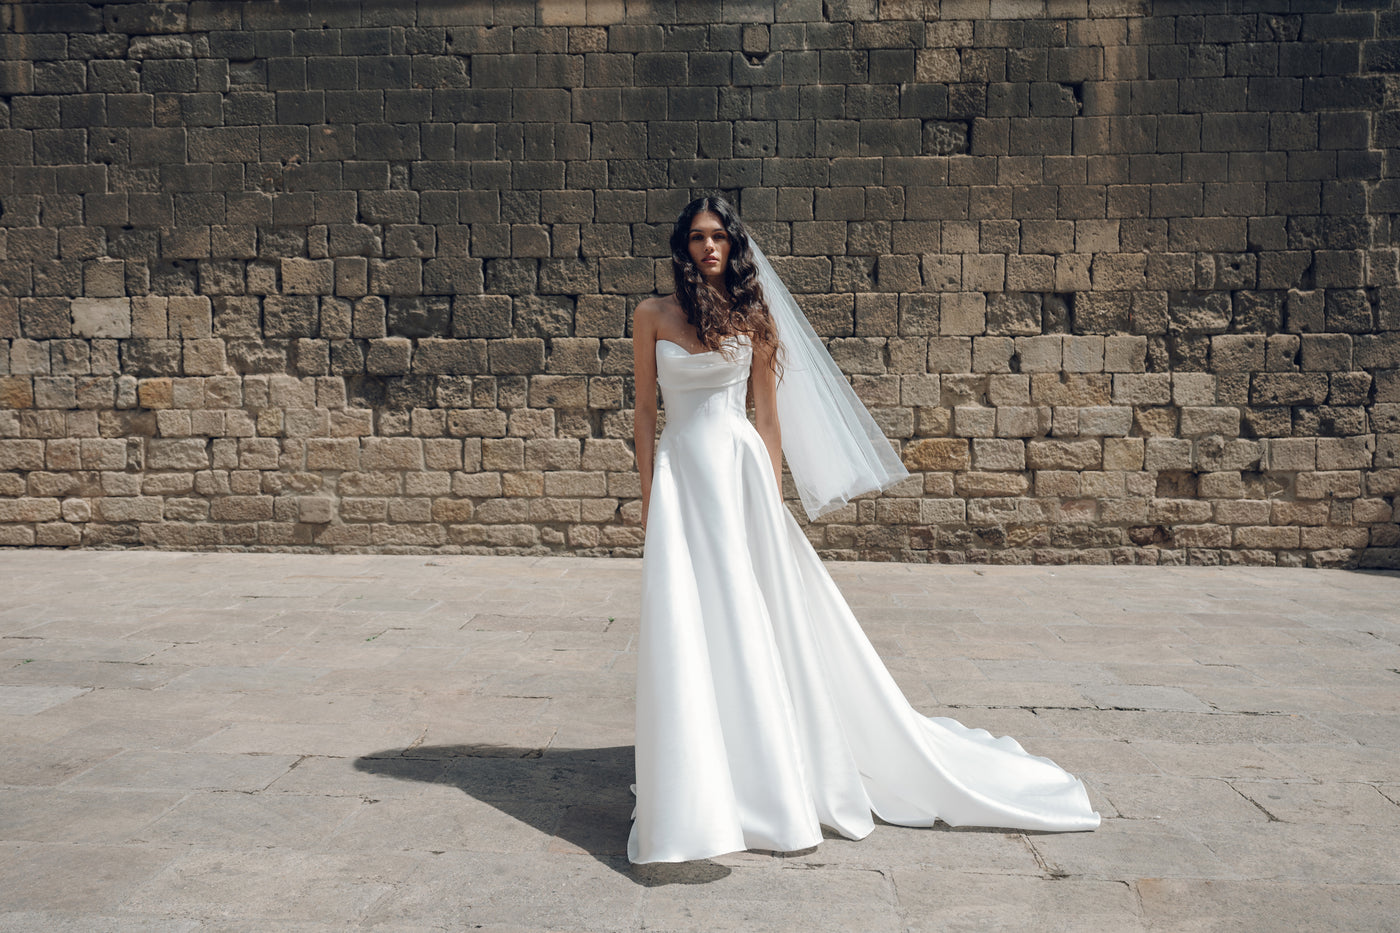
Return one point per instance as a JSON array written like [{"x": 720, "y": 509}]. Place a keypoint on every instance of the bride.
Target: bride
[{"x": 763, "y": 712}]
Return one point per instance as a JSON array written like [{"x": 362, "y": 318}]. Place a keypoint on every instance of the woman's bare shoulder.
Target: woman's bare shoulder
[{"x": 653, "y": 311}]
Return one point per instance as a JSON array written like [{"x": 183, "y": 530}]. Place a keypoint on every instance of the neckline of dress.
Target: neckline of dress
[{"x": 687, "y": 352}]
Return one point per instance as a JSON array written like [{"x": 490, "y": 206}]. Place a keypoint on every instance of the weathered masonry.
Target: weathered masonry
[{"x": 1119, "y": 277}]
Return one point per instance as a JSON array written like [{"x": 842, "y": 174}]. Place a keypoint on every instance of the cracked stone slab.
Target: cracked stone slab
[{"x": 1308, "y": 802}]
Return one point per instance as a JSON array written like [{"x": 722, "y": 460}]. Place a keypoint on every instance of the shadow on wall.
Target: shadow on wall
[{"x": 578, "y": 796}]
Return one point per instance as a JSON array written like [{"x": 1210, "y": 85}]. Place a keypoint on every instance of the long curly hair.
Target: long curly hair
[{"x": 713, "y": 315}]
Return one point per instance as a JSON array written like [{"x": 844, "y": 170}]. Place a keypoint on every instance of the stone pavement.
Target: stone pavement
[{"x": 283, "y": 742}]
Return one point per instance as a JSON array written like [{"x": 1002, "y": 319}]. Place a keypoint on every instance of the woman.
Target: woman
[{"x": 763, "y": 712}]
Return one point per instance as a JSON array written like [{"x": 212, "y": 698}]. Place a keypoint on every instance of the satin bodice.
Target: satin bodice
[{"x": 703, "y": 385}]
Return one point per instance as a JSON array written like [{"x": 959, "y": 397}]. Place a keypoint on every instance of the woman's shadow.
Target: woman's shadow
[{"x": 578, "y": 795}]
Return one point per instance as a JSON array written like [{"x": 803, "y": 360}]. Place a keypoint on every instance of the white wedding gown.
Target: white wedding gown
[{"x": 763, "y": 711}]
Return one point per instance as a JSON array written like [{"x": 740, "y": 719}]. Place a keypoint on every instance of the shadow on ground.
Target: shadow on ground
[{"x": 579, "y": 796}]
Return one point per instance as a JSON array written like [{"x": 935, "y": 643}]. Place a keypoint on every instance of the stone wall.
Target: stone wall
[{"x": 1119, "y": 278}]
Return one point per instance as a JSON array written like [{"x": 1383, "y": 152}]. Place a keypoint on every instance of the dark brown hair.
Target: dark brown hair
[{"x": 715, "y": 316}]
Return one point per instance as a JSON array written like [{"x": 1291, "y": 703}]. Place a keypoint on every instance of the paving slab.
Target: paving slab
[{"x": 306, "y": 743}]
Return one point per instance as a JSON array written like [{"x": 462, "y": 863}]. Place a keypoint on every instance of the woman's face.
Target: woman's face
[{"x": 709, "y": 246}]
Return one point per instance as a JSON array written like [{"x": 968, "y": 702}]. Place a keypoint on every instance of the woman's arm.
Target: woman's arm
[
  {"x": 644, "y": 416},
  {"x": 765, "y": 407}
]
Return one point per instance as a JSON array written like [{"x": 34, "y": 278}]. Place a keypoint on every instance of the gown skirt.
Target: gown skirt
[{"x": 763, "y": 711}]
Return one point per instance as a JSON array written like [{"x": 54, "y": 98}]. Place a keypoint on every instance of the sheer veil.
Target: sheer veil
[{"x": 833, "y": 446}]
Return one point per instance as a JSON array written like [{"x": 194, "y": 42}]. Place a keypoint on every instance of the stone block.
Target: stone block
[
  {"x": 559, "y": 391},
  {"x": 27, "y": 509},
  {"x": 1288, "y": 389},
  {"x": 204, "y": 357},
  {"x": 551, "y": 453},
  {"x": 1041, "y": 354},
  {"x": 1013, "y": 314},
  {"x": 101, "y": 317},
  {"x": 1023, "y": 421},
  {"x": 1291, "y": 454},
  {"x": 1068, "y": 389},
  {"x": 974, "y": 421},
  {"x": 516, "y": 356},
  {"x": 1105, "y": 420},
  {"x": 937, "y": 454},
  {"x": 1198, "y": 389},
  {"x": 1267, "y": 537},
  {"x": 315, "y": 510},
  {"x": 1237, "y": 353},
  {"x": 1064, "y": 455},
  {"x": 104, "y": 278},
  {"x": 1214, "y": 452},
  {"x": 531, "y": 422},
  {"x": 1166, "y": 453},
  {"x": 104, "y": 453},
  {"x": 1330, "y": 353},
  {"x": 575, "y": 355},
  {"x": 188, "y": 316},
  {"x": 1324, "y": 539},
  {"x": 247, "y": 508},
  {"x": 1331, "y": 484},
  {"x": 391, "y": 453},
  {"x": 1345, "y": 453},
  {"x": 594, "y": 316},
  {"x": 1178, "y": 511},
  {"x": 980, "y": 484},
  {"x": 481, "y": 422},
  {"x": 130, "y": 509},
  {"x": 1369, "y": 510},
  {"x": 389, "y": 355},
  {"x": 992, "y": 354},
  {"x": 1084, "y": 354},
  {"x": 989, "y": 454},
  {"x": 575, "y": 483},
  {"x": 1200, "y": 421},
  {"x": 922, "y": 391},
  {"x": 1123, "y": 453},
  {"x": 1385, "y": 418},
  {"x": 1142, "y": 388},
  {"x": 950, "y": 355},
  {"x": 1201, "y": 536},
  {"x": 448, "y": 356},
  {"x": 1125, "y": 354},
  {"x": 606, "y": 454},
  {"x": 1199, "y": 312},
  {"x": 963, "y": 313},
  {"x": 177, "y": 454},
  {"x": 332, "y": 453}
]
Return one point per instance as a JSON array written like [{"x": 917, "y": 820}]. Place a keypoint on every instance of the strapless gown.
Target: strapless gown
[{"x": 763, "y": 711}]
